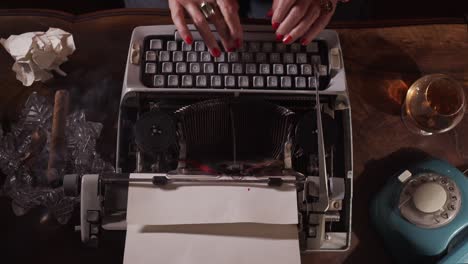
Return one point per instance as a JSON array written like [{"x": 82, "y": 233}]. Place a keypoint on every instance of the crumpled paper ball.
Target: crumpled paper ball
[{"x": 36, "y": 54}]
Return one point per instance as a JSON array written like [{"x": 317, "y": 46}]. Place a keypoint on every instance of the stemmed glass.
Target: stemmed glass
[{"x": 434, "y": 104}]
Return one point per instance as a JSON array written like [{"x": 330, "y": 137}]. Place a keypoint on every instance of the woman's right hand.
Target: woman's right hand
[
  {"x": 305, "y": 19},
  {"x": 225, "y": 19}
]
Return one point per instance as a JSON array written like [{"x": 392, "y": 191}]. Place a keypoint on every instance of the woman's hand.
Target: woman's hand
[
  {"x": 225, "y": 19},
  {"x": 305, "y": 19}
]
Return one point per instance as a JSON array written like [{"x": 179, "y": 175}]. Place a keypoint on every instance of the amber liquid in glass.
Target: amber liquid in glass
[{"x": 435, "y": 106}]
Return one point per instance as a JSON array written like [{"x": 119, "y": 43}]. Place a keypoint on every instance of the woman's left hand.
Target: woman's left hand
[{"x": 304, "y": 19}]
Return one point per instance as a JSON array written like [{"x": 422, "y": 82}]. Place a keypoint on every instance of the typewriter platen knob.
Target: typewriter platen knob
[{"x": 429, "y": 197}]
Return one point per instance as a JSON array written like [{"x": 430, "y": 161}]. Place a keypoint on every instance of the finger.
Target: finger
[
  {"x": 316, "y": 28},
  {"x": 308, "y": 20},
  {"x": 280, "y": 12},
  {"x": 231, "y": 16},
  {"x": 204, "y": 29},
  {"x": 178, "y": 17},
  {"x": 222, "y": 28},
  {"x": 295, "y": 15},
  {"x": 274, "y": 6}
]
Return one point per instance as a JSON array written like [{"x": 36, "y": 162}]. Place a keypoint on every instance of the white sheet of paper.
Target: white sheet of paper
[
  {"x": 210, "y": 204},
  {"x": 212, "y": 244}
]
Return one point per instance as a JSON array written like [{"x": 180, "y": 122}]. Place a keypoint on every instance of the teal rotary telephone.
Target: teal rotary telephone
[{"x": 422, "y": 214}]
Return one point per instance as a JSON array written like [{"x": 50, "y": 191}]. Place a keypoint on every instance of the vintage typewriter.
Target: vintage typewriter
[{"x": 280, "y": 113}]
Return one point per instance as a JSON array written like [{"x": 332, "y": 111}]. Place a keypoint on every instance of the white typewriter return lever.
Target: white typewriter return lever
[
  {"x": 324, "y": 200},
  {"x": 321, "y": 206}
]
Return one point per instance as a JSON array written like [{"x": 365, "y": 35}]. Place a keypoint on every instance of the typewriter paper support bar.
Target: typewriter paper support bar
[{"x": 162, "y": 180}]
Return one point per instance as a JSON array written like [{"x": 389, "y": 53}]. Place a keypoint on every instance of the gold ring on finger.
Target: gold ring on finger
[
  {"x": 208, "y": 9},
  {"x": 326, "y": 6}
]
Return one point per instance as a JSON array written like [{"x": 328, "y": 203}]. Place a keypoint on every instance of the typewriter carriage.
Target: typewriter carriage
[{"x": 286, "y": 157}]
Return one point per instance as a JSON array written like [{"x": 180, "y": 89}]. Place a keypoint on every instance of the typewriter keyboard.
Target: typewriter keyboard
[{"x": 168, "y": 63}]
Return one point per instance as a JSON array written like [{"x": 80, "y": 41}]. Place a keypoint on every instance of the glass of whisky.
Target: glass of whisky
[{"x": 434, "y": 104}]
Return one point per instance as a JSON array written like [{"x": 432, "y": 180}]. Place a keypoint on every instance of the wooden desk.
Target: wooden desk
[{"x": 381, "y": 60}]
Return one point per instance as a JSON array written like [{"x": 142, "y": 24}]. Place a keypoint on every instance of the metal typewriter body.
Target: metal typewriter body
[{"x": 323, "y": 172}]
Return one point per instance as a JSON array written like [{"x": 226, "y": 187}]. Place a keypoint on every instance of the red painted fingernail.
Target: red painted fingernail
[
  {"x": 230, "y": 49},
  {"x": 287, "y": 39},
  {"x": 216, "y": 52},
  {"x": 279, "y": 37},
  {"x": 189, "y": 40},
  {"x": 238, "y": 43},
  {"x": 275, "y": 25},
  {"x": 270, "y": 13},
  {"x": 304, "y": 42}
]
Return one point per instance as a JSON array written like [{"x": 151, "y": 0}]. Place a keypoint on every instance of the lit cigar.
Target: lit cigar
[{"x": 58, "y": 147}]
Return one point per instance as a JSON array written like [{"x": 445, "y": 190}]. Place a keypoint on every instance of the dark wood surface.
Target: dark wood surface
[
  {"x": 381, "y": 62},
  {"x": 356, "y": 9}
]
